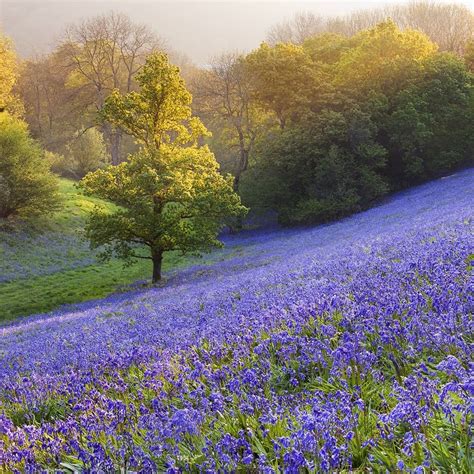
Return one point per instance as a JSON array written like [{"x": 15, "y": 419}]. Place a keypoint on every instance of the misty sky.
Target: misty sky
[{"x": 197, "y": 28}]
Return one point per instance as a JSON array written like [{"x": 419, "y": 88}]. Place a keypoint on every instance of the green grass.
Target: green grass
[
  {"x": 45, "y": 293},
  {"x": 41, "y": 293},
  {"x": 75, "y": 204}
]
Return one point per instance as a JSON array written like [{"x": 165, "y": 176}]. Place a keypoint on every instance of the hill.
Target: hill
[
  {"x": 41, "y": 270},
  {"x": 345, "y": 347}
]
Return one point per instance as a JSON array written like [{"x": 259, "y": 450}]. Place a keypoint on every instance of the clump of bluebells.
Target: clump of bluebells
[
  {"x": 343, "y": 347},
  {"x": 26, "y": 255}
]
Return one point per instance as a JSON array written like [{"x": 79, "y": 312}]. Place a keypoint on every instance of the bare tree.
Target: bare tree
[
  {"x": 448, "y": 25},
  {"x": 223, "y": 95},
  {"x": 106, "y": 52},
  {"x": 52, "y": 109},
  {"x": 302, "y": 26},
  {"x": 451, "y": 26},
  {"x": 355, "y": 22}
]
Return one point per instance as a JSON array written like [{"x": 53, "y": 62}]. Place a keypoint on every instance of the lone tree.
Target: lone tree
[{"x": 170, "y": 195}]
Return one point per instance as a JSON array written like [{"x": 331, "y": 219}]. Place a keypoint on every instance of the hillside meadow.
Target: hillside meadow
[
  {"x": 49, "y": 263},
  {"x": 258, "y": 264},
  {"x": 345, "y": 347}
]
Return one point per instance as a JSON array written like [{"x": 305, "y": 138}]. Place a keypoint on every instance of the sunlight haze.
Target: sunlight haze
[{"x": 196, "y": 28}]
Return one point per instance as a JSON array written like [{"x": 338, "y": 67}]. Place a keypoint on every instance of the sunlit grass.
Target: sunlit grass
[
  {"x": 77, "y": 283},
  {"x": 45, "y": 293}
]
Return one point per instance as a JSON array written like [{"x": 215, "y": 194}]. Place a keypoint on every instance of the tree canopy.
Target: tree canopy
[
  {"x": 380, "y": 103},
  {"x": 376, "y": 112},
  {"x": 160, "y": 111},
  {"x": 170, "y": 194},
  {"x": 8, "y": 72}
]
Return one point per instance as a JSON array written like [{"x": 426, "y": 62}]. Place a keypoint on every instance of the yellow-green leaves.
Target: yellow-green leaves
[
  {"x": 26, "y": 185},
  {"x": 383, "y": 58},
  {"x": 160, "y": 112},
  {"x": 283, "y": 77},
  {"x": 8, "y": 70},
  {"x": 171, "y": 193}
]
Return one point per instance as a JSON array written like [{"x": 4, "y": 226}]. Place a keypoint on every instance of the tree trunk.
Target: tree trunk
[
  {"x": 115, "y": 139},
  {"x": 157, "y": 258},
  {"x": 236, "y": 182},
  {"x": 237, "y": 224}
]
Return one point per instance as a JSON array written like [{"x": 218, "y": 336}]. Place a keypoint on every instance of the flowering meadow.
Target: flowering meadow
[{"x": 344, "y": 347}]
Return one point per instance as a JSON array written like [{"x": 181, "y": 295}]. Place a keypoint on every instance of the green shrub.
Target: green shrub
[{"x": 27, "y": 187}]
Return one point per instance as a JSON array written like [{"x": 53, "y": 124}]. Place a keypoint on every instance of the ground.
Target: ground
[
  {"x": 42, "y": 270},
  {"x": 340, "y": 348}
]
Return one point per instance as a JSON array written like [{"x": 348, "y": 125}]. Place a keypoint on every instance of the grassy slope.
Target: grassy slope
[{"x": 81, "y": 277}]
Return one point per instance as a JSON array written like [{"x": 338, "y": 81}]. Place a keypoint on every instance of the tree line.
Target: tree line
[
  {"x": 448, "y": 25},
  {"x": 322, "y": 120},
  {"x": 169, "y": 191}
]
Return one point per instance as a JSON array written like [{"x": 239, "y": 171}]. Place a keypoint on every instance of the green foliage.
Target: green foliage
[
  {"x": 85, "y": 153},
  {"x": 383, "y": 59},
  {"x": 160, "y": 111},
  {"x": 377, "y": 112},
  {"x": 284, "y": 79},
  {"x": 430, "y": 127},
  {"x": 54, "y": 107},
  {"x": 469, "y": 55},
  {"x": 172, "y": 199},
  {"x": 8, "y": 71},
  {"x": 77, "y": 275},
  {"x": 325, "y": 170},
  {"x": 26, "y": 185},
  {"x": 171, "y": 196}
]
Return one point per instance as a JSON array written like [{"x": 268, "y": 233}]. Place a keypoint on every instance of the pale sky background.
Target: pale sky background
[{"x": 200, "y": 29}]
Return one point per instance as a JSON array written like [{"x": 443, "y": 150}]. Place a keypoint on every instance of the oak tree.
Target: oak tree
[{"x": 170, "y": 195}]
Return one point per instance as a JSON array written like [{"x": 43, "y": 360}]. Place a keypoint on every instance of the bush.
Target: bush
[
  {"x": 27, "y": 187},
  {"x": 327, "y": 168},
  {"x": 85, "y": 153}
]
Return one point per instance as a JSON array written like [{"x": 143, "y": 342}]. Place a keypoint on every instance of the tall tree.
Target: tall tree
[
  {"x": 450, "y": 25},
  {"x": 54, "y": 108},
  {"x": 106, "y": 52},
  {"x": 382, "y": 59},
  {"x": 302, "y": 26},
  {"x": 284, "y": 79},
  {"x": 224, "y": 97},
  {"x": 431, "y": 122},
  {"x": 469, "y": 56},
  {"x": 394, "y": 112},
  {"x": 170, "y": 194}
]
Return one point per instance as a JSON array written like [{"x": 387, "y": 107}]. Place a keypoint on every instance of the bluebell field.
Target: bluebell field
[
  {"x": 24, "y": 254},
  {"x": 341, "y": 347}
]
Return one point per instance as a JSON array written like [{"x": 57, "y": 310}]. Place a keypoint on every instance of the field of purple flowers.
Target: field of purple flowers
[
  {"x": 27, "y": 253},
  {"x": 345, "y": 347}
]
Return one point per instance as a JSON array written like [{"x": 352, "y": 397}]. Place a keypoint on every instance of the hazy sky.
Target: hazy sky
[{"x": 198, "y": 28}]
